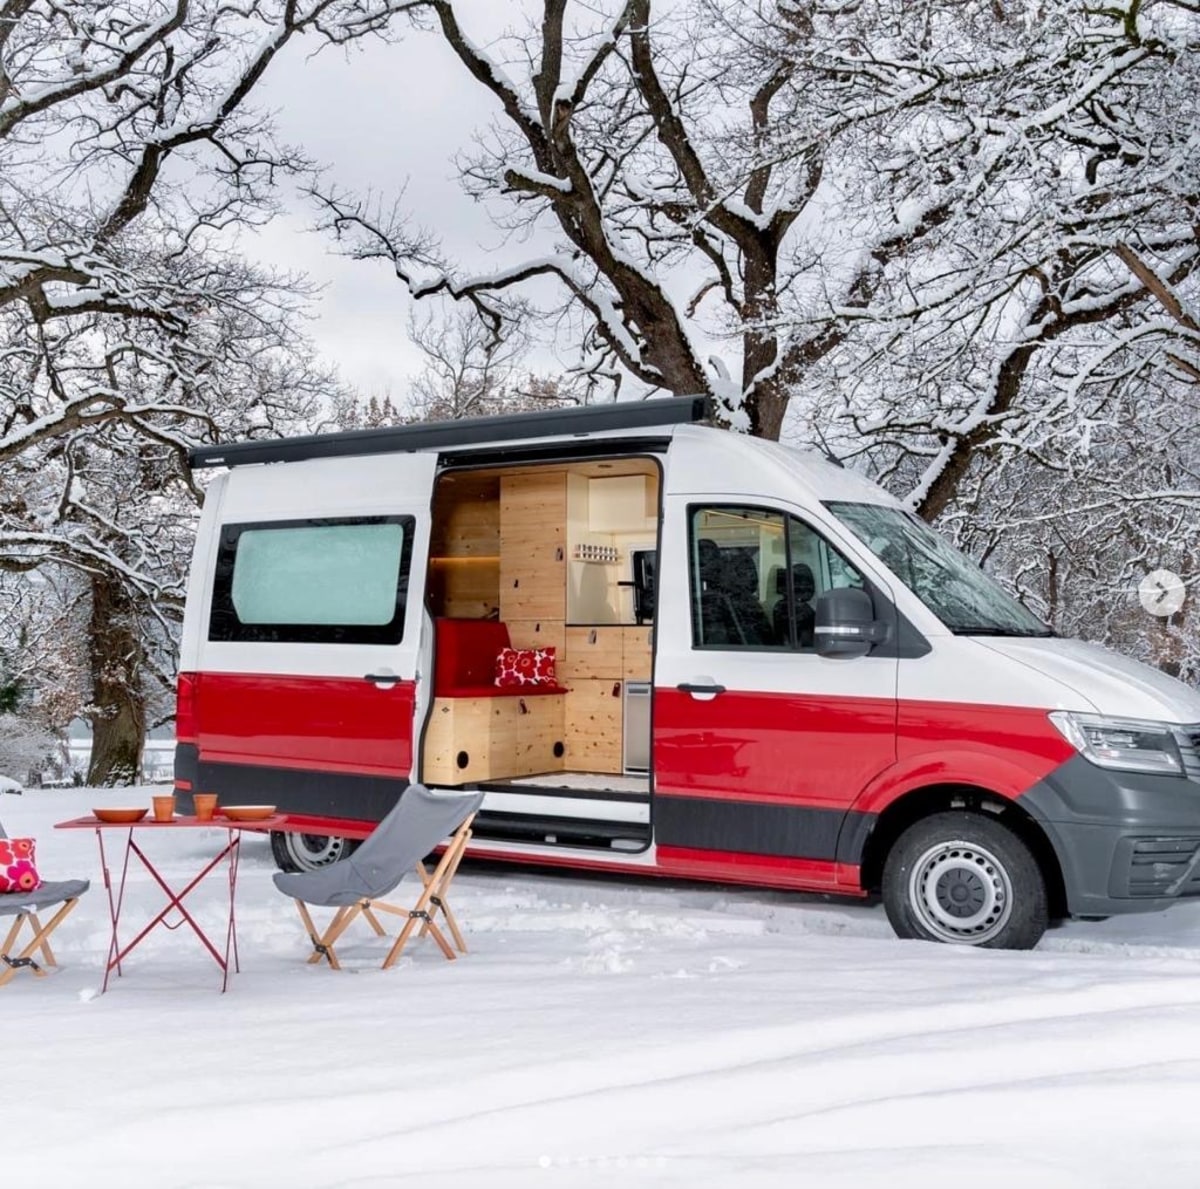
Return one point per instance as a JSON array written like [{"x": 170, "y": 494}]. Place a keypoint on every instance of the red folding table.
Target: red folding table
[{"x": 228, "y": 846}]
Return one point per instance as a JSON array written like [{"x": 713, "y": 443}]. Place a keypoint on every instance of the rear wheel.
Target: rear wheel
[
  {"x": 308, "y": 852},
  {"x": 965, "y": 879}
]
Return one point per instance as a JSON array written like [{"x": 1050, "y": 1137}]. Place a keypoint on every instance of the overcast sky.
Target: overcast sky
[{"x": 380, "y": 117}]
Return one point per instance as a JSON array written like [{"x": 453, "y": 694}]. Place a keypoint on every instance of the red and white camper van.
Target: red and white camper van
[{"x": 766, "y": 671}]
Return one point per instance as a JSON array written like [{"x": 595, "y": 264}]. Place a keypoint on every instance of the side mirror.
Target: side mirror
[{"x": 846, "y": 626}]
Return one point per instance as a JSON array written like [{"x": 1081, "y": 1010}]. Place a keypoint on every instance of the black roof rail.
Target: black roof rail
[{"x": 474, "y": 431}]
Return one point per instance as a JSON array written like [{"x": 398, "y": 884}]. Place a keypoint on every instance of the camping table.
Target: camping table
[{"x": 227, "y": 854}]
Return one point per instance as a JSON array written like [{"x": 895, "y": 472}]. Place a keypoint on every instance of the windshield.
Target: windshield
[{"x": 956, "y": 590}]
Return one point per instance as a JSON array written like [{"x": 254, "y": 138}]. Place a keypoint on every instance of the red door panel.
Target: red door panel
[
  {"x": 817, "y": 751},
  {"x": 330, "y": 724}
]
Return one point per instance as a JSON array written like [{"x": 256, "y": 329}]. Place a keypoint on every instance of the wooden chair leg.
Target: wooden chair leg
[
  {"x": 47, "y": 952},
  {"x": 322, "y": 943},
  {"x": 393, "y": 955},
  {"x": 444, "y": 905},
  {"x": 41, "y": 934},
  {"x": 448, "y": 868},
  {"x": 8, "y": 972},
  {"x": 373, "y": 920}
]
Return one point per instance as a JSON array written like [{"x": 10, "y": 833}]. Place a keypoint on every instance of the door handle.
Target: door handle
[
  {"x": 382, "y": 678},
  {"x": 697, "y": 687}
]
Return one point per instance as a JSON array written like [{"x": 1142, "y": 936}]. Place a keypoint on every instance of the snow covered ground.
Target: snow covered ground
[{"x": 600, "y": 1032}]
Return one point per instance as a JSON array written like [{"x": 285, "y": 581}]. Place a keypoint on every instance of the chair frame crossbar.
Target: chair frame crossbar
[
  {"x": 431, "y": 902},
  {"x": 25, "y": 960}
]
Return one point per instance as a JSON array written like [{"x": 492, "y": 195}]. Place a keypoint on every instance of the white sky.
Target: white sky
[{"x": 380, "y": 117}]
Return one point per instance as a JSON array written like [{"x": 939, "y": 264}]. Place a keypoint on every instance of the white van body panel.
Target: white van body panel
[{"x": 1101, "y": 680}]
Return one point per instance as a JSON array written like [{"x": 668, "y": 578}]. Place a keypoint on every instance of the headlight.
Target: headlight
[{"x": 1128, "y": 744}]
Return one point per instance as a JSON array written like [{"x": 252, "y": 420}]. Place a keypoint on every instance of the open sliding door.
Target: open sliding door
[{"x": 304, "y": 646}]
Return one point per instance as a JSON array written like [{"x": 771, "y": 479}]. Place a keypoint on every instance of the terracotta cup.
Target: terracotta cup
[
  {"x": 164, "y": 808},
  {"x": 205, "y": 805}
]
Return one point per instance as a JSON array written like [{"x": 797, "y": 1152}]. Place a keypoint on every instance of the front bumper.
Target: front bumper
[{"x": 1125, "y": 841}]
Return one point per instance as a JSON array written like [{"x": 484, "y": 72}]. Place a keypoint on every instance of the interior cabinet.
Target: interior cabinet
[
  {"x": 533, "y": 513},
  {"x": 480, "y": 739},
  {"x": 592, "y": 652},
  {"x": 593, "y": 726},
  {"x": 636, "y": 653},
  {"x": 540, "y": 730},
  {"x": 468, "y": 739}
]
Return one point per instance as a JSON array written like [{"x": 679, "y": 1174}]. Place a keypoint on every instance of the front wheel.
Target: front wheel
[
  {"x": 308, "y": 852},
  {"x": 965, "y": 879}
]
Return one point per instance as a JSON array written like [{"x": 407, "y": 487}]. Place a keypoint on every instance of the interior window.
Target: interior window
[
  {"x": 756, "y": 576},
  {"x": 320, "y": 581}
]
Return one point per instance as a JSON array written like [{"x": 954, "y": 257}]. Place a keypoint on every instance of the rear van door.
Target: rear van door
[{"x": 302, "y": 638}]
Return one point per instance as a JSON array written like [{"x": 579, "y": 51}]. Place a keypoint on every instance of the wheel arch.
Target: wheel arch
[{"x": 927, "y": 800}]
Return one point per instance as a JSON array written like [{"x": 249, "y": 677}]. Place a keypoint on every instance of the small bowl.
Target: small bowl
[
  {"x": 247, "y": 813},
  {"x": 119, "y": 816}
]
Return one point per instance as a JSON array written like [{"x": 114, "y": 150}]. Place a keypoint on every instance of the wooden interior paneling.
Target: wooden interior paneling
[
  {"x": 593, "y": 726},
  {"x": 500, "y": 547},
  {"x": 533, "y": 515},
  {"x": 592, "y": 652},
  {"x": 636, "y": 653},
  {"x": 464, "y": 571}
]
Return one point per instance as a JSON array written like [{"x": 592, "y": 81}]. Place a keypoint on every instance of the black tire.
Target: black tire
[
  {"x": 308, "y": 852},
  {"x": 965, "y": 879}
]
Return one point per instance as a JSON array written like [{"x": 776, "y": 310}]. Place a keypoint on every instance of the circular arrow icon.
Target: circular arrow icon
[{"x": 1162, "y": 592}]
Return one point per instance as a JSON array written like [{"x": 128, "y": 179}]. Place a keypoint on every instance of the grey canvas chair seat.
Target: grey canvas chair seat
[
  {"x": 397, "y": 847},
  {"x": 25, "y": 907},
  {"x": 47, "y": 894}
]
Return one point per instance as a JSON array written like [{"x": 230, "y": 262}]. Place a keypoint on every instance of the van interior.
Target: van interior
[{"x": 555, "y": 556}]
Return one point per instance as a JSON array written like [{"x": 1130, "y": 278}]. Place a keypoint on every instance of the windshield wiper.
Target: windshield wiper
[{"x": 979, "y": 629}]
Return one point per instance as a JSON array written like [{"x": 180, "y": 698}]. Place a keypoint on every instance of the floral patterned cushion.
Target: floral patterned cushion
[
  {"x": 17, "y": 872},
  {"x": 525, "y": 666}
]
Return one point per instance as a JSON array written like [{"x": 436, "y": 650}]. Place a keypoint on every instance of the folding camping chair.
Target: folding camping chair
[
  {"x": 397, "y": 845},
  {"x": 24, "y": 906}
]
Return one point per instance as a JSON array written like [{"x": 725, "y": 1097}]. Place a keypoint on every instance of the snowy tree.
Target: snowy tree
[
  {"x": 1050, "y": 298},
  {"x": 678, "y": 171},
  {"x": 128, "y": 328}
]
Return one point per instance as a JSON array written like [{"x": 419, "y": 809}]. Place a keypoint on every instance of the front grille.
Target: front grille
[
  {"x": 1158, "y": 865},
  {"x": 1188, "y": 738}
]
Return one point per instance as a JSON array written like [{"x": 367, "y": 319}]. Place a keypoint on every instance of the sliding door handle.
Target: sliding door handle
[{"x": 381, "y": 678}]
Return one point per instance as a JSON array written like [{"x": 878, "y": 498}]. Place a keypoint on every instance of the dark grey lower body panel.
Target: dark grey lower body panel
[
  {"x": 1125, "y": 841},
  {"x": 322, "y": 794},
  {"x": 759, "y": 828}
]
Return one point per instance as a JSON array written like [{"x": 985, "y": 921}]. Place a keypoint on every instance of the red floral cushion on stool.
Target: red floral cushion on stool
[
  {"x": 525, "y": 666},
  {"x": 17, "y": 872}
]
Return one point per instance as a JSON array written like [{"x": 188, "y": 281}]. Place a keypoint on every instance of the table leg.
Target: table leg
[
  {"x": 234, "y": 851},
  {"x": 114, "y": 907},
  {"x": 176, "y": 901}
]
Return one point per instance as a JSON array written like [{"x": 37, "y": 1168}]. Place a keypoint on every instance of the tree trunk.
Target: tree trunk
[{"x": 118, "y": 714}]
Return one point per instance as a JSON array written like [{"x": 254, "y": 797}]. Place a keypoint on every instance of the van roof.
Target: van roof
[
  {"x": 617, "y": 419},
  {"x": 638, "y": 426}
]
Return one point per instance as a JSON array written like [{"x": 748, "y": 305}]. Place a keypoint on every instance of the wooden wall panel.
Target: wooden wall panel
[
  {"x": 636, "y": 650},
  {"x": 533, "y": 514},
  {"x": 464, "y": 572},
  {"x": 594, "y": 726},
  {"x": 592, "y": 652}
]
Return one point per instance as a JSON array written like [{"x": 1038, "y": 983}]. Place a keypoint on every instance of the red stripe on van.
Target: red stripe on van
[
  {"x": 844, "y": 752},
  {"x": 324, "y": 724}
]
